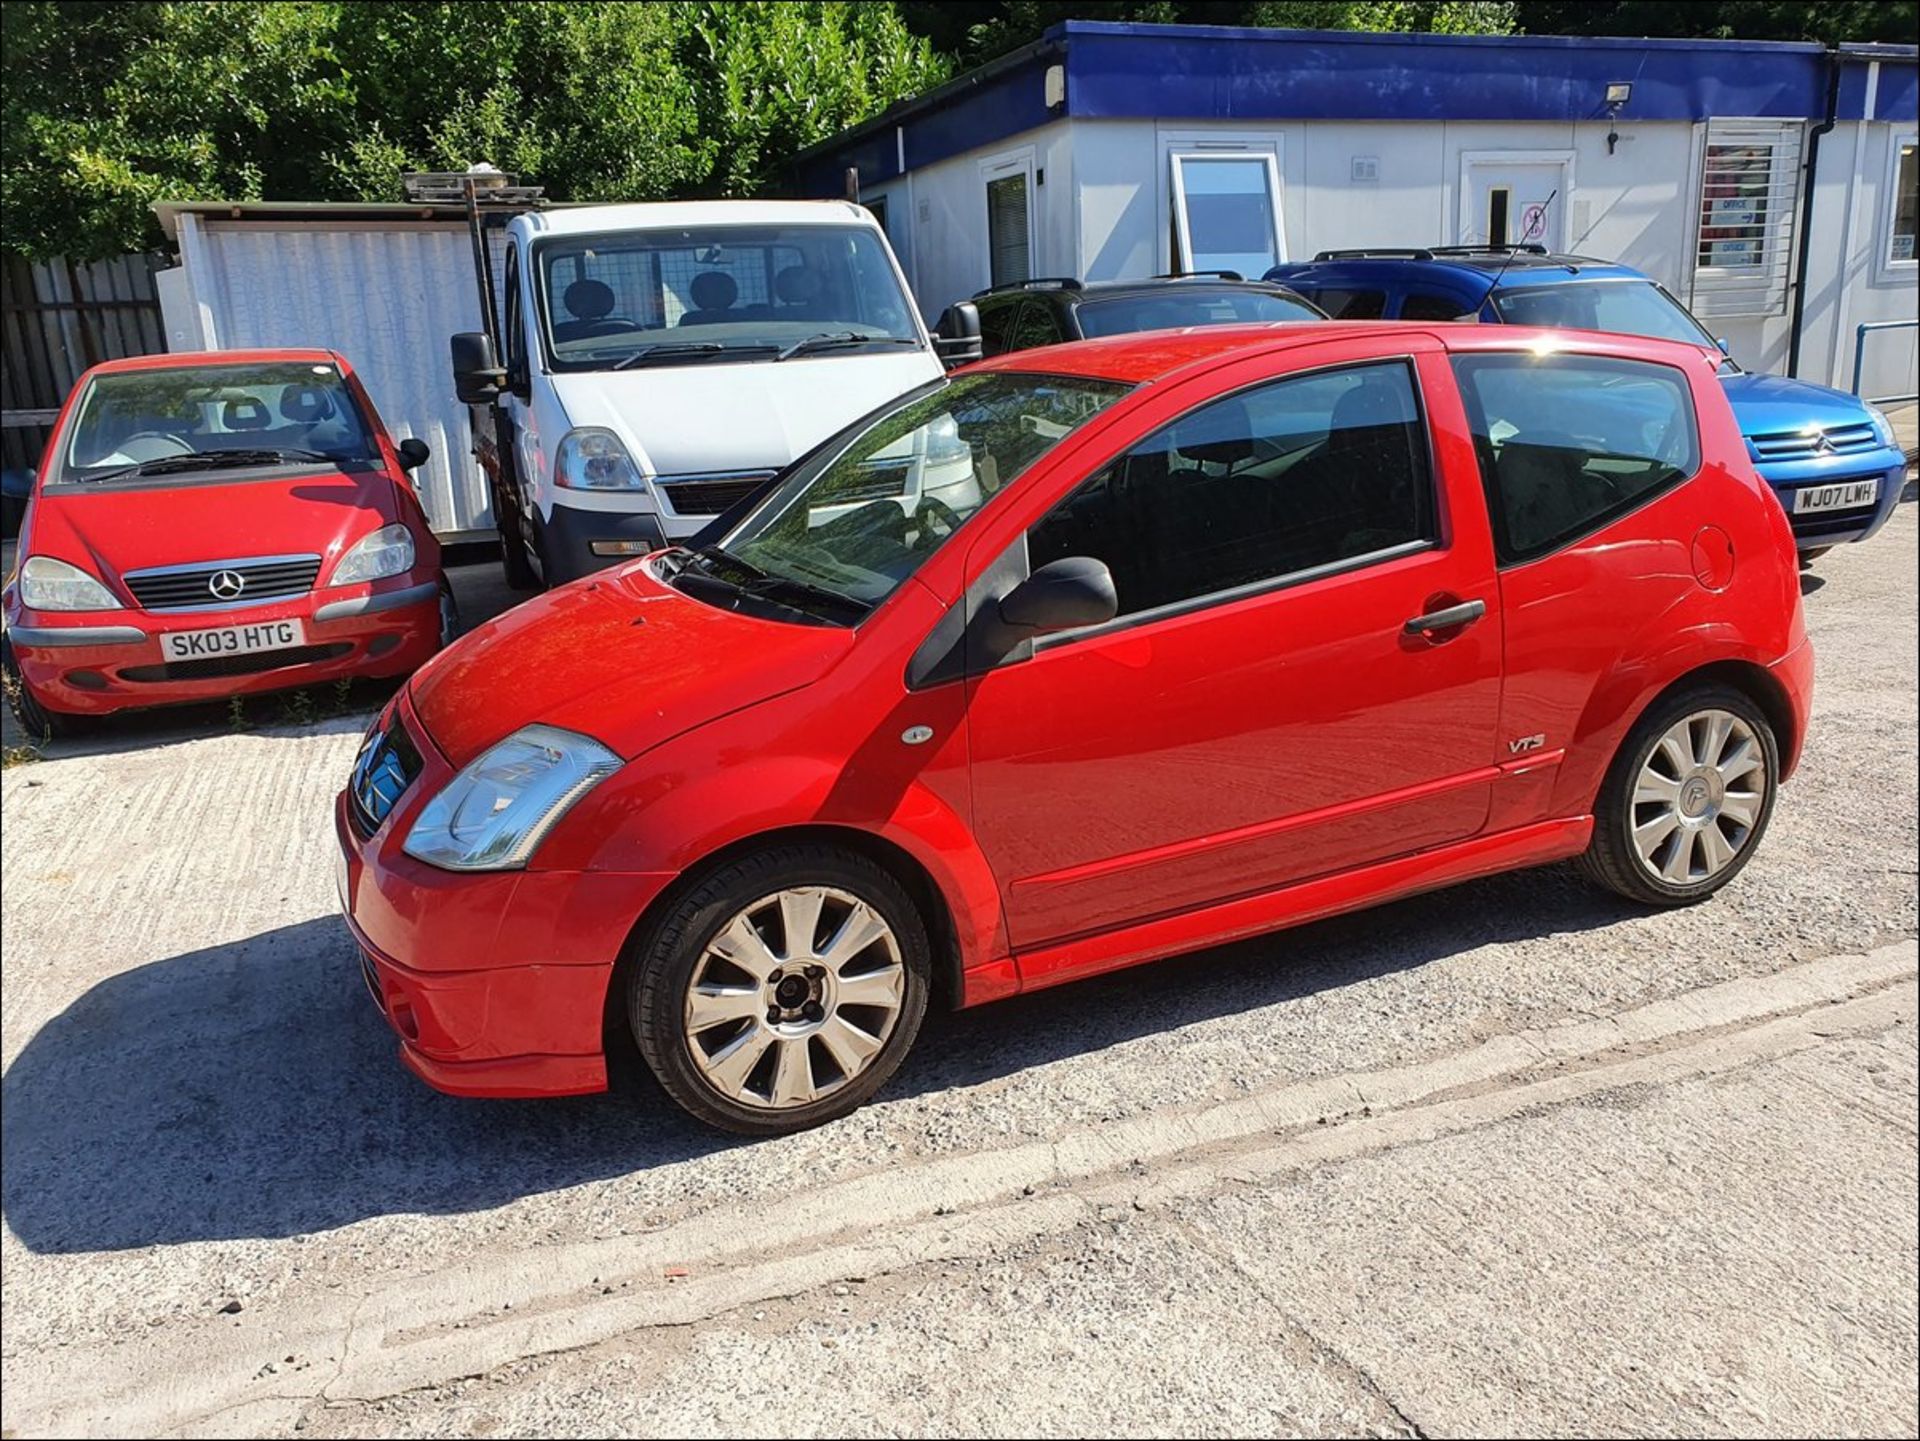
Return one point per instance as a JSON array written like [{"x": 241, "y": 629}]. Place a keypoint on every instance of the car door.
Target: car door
[{"x": 1260, "y": 711}]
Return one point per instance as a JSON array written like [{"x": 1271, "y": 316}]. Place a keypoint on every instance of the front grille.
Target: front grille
[
  {"x": 713, "y": 495},
  {"x": 268, "y": 578},
  {"x": 1832, "y": 522},
  {"x": 228, "y": 665},
  {"x": 386, "y": 766},
  {"x": 1803, "y": 444},
  {"x": 878, "y": 480}
]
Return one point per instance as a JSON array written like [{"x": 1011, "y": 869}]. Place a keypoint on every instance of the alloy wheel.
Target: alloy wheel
[
  {"x": 794, "y": 997},
  {"x": 1698, "y": 797}
]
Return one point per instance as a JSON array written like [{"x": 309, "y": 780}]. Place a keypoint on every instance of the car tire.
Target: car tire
[
  {"x": 449, "y": 614},
  {"x": 513, "y": 557},
  {"x": 35, "y": 719},
  {"x": 763, "y": 1036},
  {"x": 1808, "y": 557},
  {"x": 1687, "y": 799}
]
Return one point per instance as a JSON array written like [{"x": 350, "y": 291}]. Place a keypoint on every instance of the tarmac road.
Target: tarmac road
[{"x": 1509, "y": 1158}]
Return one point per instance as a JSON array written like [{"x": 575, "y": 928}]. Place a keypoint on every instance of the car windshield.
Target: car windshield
[
  {"x": 700, "y": 296},
  {"x": 1626, "y": 307},
  {"x": 860, "y": 520},
  {"x": 186, "y": 423},
  {"x": 1170, "y": 311}
]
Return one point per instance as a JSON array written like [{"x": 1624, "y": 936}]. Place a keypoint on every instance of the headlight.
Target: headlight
[
  {"x": 594, "y": 459},
  {"x": 49, "y": 584},
  {"x": 1881, "y": 424},
  {"x": 388, "y": 551},
  {"x": 494, "y": 814}
]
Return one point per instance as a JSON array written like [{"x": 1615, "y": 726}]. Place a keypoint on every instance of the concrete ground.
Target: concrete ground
[{"x": 1513, "y": 1158}]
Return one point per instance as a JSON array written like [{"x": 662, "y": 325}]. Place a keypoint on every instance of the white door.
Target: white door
[
  {"x": 1008, "y": 183},
  {"x": 1515, "y": 198}
]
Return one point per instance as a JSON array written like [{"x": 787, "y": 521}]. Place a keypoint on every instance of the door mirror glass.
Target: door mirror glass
[
  {"x": 477, "y": 376},
  {"x": 957, "y": 337},
  {"x": 1065, "y": 594},
  {"x": 1725, "y": 349},
  {"x": 413, "y": 453}
]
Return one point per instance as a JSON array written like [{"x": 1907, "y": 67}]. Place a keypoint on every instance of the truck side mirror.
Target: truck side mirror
[
  {"x": 477, "y": 376},
  {"x": 413, "y": 453},
  {"x": 956, "y": 339}
]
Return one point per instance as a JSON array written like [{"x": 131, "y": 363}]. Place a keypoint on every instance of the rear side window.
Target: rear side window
[
  {"x": 1289, "y": 477},
  {"x": 1427, "y": 305},
  {"x": 996, "y": 327},
  {"x": 1036, "y": 326},
  {"x": 1569, "y": 442},
  {"x": 1342, "y": 304}
]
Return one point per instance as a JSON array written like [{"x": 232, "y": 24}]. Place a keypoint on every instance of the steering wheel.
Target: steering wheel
[
  {"x": 932, "y": 517},
  {"x": 160, "y": 435}
]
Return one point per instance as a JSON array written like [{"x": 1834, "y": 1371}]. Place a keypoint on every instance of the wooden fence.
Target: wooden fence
[{"x": 56, "y": 319}]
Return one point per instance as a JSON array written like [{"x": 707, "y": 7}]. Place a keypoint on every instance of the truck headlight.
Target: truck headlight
[
  {"x": 494, "y": 814},
  {"x": 594, "y": 459},
  {"x": 388, "y": 551},
  {"x": 49, "y": 584}
]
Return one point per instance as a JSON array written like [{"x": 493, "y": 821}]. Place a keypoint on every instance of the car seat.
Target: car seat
[
  {"x": 714, "y": 292},
  {"x": 590, "y": 303},
  {"x": 245, "y": 412}
]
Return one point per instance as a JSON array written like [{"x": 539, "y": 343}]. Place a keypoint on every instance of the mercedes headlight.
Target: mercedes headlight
[
  {"x": 49, "y": 584},
  {"x": 494, "y": 814},
  {"x": 388, "y": 551}
]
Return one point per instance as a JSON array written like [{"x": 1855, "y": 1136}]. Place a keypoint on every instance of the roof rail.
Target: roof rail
[
  {"x": 1038, "y": 282},
  {"x": 1377, "y": 252},
  {"x": 1201, "y": 275},
  {"x": 1529, "y": 248}
]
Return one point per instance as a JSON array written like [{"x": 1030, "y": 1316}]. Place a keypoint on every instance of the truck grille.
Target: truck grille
[
  {"x": 386, "y": 766},
  {"x": 712, "y": 494},
  {"x": 1800, "y": 445},
  {"x": 218, "y": 585}
]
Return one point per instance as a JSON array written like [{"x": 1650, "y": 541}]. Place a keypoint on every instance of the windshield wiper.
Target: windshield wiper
[
  {"x": 764, "y": 585},
  {"x": 680, "y": 350},
  {"x": 833, "y": 339},
  {"x": 212, "y": 460}
]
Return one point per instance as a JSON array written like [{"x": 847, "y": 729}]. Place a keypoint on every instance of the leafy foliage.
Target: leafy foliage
[{"x": 109, "y": 107}]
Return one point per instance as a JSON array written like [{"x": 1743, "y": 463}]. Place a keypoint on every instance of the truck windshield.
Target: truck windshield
[
  {"x": 719, "y": 293},
  {"x": 1626, "y": 307},
  {"x": 857, "y": 522},
  {"x": 184, "y": 423}
]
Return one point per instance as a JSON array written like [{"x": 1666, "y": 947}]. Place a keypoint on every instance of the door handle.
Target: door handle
[{"x": 1453, "y": 617}]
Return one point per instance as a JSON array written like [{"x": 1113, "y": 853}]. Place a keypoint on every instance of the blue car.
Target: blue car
[{"x": 1830, "y": 456}]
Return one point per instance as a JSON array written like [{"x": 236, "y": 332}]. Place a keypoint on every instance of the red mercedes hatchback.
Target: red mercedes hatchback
[
  {"x": 213, "y": 524},
  {"x": 1072, "y": 660}
]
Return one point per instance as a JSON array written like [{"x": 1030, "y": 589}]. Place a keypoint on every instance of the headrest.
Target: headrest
[
  {"x": 714, "y": 290},
  {"x": 305, "y": 404},
  {"x": 587, "y": 299},
  {"x": 245, "y": 412},
  {"x": 797, "y": 285}
]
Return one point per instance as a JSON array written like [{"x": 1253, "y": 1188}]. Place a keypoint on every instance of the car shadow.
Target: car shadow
[
  {"x": 1809, "y": 582},
  {"x": 250, "y": 1090}
]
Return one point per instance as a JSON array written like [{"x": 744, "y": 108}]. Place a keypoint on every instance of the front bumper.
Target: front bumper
[
  {"x": 98, "y": 662},
  {"x": 569, "y": 534},
  {"x": 495, "y": 982},
  {"x": 1820, "y": 529}
]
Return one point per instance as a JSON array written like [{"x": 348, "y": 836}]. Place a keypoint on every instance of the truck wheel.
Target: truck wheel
[
  {"x": 513, "y": 556},
  {"x": 1687, "y": 800},
  {"x": 782, "y": 991},
  {"x": 35, "y": 719}
]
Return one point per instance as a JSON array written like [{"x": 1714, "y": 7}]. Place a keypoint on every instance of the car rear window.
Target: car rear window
[
  {"x": 1344, "y": 304},
  {"x": 1170, "y": 311},
  {"x": 1570, "y": 442}
]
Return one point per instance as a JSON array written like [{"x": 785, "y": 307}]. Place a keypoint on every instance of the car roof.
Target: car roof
[
  {"x": 687, "y": 214},
  {"x": 1068, "y": 289},
  {"x": 1144, "y": 357},
  {"x": 189, "y": 359},
  {"x": 1459, "y": 263}
]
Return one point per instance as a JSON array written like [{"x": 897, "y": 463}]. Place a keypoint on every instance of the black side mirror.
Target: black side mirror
[
  {"x": 956, "y": 339},
  {"x": 413, "y": 453},
  {"x": 477, "y": 376},
  {"x": 1062, "y": 595}
]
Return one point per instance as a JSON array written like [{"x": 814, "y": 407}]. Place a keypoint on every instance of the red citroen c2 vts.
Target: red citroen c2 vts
[
  {"x": 1220, "y": 631},
  {"x": 214, "y": 524}
]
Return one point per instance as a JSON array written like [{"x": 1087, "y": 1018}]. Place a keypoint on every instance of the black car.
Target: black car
[{"x": 1053, "y": 310}]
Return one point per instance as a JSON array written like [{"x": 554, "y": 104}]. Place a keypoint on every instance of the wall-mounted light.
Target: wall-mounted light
[{"x": 1619, "y": 92}]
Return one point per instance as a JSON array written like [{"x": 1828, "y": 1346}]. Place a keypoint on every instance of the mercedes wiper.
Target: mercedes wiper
[{"x": 835, "y": 339}]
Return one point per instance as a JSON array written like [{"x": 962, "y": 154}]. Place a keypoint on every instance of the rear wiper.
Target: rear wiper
[
  {"x": 834, "y": 339},
  {"x": 680, "y": 350},
  {"x": 212, "y": 460}
]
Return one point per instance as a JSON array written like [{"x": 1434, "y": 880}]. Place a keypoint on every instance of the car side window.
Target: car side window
[
  {"x": 1036, "y": 326},
  {"x": 1285, "y": 478},
  {"x": 997, "y": 325},
  {"x": 1430, "y": 305},
  {"x": 516, "y": 342},
  {"x": 1342, "y": 303},
  {"x": 1570, "y": 442}
]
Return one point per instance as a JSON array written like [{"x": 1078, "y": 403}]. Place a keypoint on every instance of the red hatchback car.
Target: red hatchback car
[
  {"x": 1076, "y": 659},
  {"x": 213, "y": 524}
]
